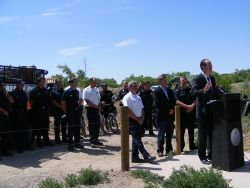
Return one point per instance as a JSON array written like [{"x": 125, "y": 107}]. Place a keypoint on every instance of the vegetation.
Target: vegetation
[
  {"x": 85, "y": 177},
  {"x": 184, "y": 177},
  {"x": 50, "y": 183}
]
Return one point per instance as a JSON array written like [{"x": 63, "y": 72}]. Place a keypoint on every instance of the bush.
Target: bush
[
  {"x": 50, "y": 183},
  {"x": 71, "y": 180},
  {"x": 188, "y": 177},
  {"x": 92, "y": 177}
]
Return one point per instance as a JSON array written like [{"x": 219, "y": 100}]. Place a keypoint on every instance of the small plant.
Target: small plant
[
  {"x": 71, "y": 180},
  {"x": 188, "y": 177},
  {"x": 50, "y": 183},
  {"x": 152, "y": 180},
  {"x": 92, "y": 177}
]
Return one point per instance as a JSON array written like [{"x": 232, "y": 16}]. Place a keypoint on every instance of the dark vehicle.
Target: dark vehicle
[{"x": 29, "y": 74}]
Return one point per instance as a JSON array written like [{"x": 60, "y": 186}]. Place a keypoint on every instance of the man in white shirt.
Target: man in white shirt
[
  {"x": 91, "y": 96},
  {"x": 136, "y": 117}
]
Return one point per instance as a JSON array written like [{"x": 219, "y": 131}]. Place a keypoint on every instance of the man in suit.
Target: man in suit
[
  {"x": 203, "y": 88},
  {"x": 164, "y": 108}
]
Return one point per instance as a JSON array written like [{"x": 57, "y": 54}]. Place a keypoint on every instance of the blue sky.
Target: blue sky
[{"x": 123, "y": 37}]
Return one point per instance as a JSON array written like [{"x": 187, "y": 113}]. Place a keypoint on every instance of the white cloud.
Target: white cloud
[
  {"x": 72, "y": 51},
  {"x": 5, "y": 19},
  {"x": 53, "y": 12},
  {"x": 127, "y": 42}
]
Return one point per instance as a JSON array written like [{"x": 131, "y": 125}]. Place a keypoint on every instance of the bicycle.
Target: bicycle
[{"x": 109, "y": 122}]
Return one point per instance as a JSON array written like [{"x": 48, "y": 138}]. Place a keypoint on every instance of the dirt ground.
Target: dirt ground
[{"x": 31, "y": 167}]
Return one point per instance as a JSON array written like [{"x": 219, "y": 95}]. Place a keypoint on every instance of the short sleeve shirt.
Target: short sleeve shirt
[
  {"x": 134, "y": 103},
  {"x": 92, "y": 94},
  {"x": 71, "y": 97}
]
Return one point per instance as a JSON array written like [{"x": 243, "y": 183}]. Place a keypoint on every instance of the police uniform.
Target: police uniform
[
  {"x": 134, "y": 103},
  {"x": 147, "y": 100},
  {"x": 39, "y": 99},
  {"x": 122, "y": 93},
  {"x": 93, "y": 95},
  {"x": 4, "y": 125},
  {"x": 73, "y": 113},
  {"x": 20, "y": 118},
  {"x": 106, "y": 97},
  {"x": 60, "y": 120},
  {"x": 187, "y": 119}
]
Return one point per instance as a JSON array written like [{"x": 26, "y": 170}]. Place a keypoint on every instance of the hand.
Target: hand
[
  {"x": 207, "y": 86},
  {"x": 171, "y": 112},
  {"x": 140, "y": 121}
]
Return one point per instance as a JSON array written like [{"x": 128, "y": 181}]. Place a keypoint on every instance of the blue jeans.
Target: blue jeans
[
  {"x": 137, "y": 145},
  {"x": 165, "y": 128}
]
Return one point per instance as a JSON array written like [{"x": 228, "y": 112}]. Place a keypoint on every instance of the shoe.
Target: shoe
[
  {"x": 137, "y": 160},
  {"x": 150, "y": 159},
  {"x": 205, "y": 162},
  {"x": 209, "y": 160},
  {"x": 160, "y": 154},
  {"x": 151, "y": 134},
  {"x": 79, "y": 146},
  {"x": 193, "y": 148},
  {"x": 30, "y": 148},
  {"x": 20, "y": 151},
  {"x": 98, "y": 143},
  {"x": 48, "y": 143},
  {"x": 39, "y": 144},
  {"x": 7, "y": 154},
  {"x": 71, "y": 147},
  {"x": 59, "y": 142},
  {"x": 81, "y": 137}
]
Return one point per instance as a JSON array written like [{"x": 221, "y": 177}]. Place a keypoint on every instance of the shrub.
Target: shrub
[
  {"x": 50, "y": 183},
  {"x": 92, "y": 177},
  {"x": 188, "y": 177},
  {"x": 71, "y": 180}
]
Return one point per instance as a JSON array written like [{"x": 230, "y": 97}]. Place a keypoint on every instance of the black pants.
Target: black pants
[
  {"x": 205, "y": 132},
  {"x": 60, "y": 125},
  {"x": 21, "y": 126},
  {"x": 187, "y": 123},
  {"x": 74, "y": 126},
  {"x": 94, "y": 124},
  {"x": 40, "y": 121},
  {"x": 4, "y": 128},
  {"x": 147, "y": 124}
]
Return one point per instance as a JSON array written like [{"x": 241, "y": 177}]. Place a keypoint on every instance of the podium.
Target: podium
[{"x": 227, "y": 150}]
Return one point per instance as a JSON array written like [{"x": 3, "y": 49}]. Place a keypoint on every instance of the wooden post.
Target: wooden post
[
  {"x": 177, "y": 130},
  {"x": 124, "y": 139}
]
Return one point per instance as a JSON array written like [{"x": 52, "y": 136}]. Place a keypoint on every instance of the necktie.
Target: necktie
[{"x": 208, "y": 79}]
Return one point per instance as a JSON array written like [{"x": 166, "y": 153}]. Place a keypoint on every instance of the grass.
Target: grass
[
  {"x": 186, "y": 177},
  {"x": 152, "y": 180},
  {"x": 86, "y": 176}
]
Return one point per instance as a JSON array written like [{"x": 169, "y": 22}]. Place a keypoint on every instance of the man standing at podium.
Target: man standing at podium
[{"x": 203, "y": 88}]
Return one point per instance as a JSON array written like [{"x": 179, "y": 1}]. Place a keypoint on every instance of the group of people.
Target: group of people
[
  {"x": 194, "y": 104},
  {"x": 26, "y": 117},
  {"x": 67, "y": 108}
]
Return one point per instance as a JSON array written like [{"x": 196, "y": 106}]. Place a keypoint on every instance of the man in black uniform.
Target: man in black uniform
[
  {"x": 146, "y": 95},
  {"x": 5, "y": 101},
  {"x": 60, "y": 121},
  {"x": 72, "y": 105},
  {"x": 39, "y": 101},
  {"x": 187, "y": 113},
  {"x": 123, "y": 91},
  {"x": 20, "y": 117},
  {"x": 106, "y": 101}
]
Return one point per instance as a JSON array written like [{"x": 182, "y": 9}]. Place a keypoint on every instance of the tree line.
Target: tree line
[{"x": 224, "y": 80}]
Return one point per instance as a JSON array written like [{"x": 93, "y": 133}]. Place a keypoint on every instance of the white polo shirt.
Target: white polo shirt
[
  {"x": 92, "y": 94},
  {"x": 134, "y": 103}
]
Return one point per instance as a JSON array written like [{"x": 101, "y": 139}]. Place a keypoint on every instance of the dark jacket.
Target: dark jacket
[
  {"x": 202, "y": 98},
  {"x": 162, "y": 104}
]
